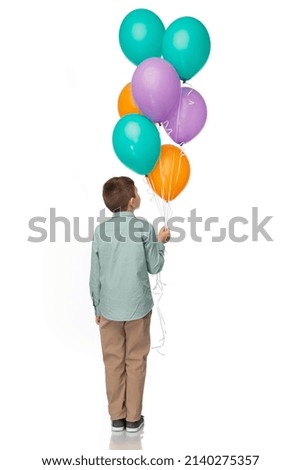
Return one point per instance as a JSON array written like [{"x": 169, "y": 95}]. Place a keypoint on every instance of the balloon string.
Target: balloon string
[
  {"x": 166, "y": 211},
  {"x": 163, "y": 195},
  {"x": 180, "y": 164},
  {"x": 165, "y": 198},
  {"x": 189, "y": 84},
  {"x": 190, "y": 101},
  {"x": 154, "y": 197},
  {"x": 168, "y": 129},
  {"x": 164, "y": 208},
  {"x": 162, "y": 185},
  {"x": 158, "y": 293},
  {"x": 171, "y": 176}
]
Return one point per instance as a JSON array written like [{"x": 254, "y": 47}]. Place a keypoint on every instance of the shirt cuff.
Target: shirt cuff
[
  {"x": 161, "y": 246},
  {"x": 95, "y": 305},
  {"x": 96, "y": 311}
]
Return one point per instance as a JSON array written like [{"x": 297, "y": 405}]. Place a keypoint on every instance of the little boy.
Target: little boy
[{"x": 124, "y": 250}]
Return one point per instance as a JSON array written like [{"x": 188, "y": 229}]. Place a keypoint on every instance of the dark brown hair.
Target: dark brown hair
[{"x": 117, "y": 193}]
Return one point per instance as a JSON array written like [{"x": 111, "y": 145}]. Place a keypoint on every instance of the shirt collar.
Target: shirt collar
[{"x": 123, "y": 214}]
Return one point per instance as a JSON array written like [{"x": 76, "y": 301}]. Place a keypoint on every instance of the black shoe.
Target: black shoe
[
  {"x": 118, "y": 424},
  {"x": 134, "y": 426}
]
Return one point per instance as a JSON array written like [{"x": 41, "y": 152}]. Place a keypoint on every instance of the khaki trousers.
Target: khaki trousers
[{"x": 125, "y": 347}]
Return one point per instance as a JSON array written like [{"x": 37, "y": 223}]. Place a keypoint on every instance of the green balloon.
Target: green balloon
[
  {"x": 186, "y": 45},
  {"x": 137, "y": 143},
  {"x": 140, "y": 35}
]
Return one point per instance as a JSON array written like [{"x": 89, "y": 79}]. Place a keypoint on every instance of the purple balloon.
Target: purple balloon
[
  {"x": 156, "y": 88},
  {"x": 188, "y": 118}
]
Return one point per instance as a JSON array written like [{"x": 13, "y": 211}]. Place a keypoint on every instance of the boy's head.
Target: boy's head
[{"x": 120, "y": 194}]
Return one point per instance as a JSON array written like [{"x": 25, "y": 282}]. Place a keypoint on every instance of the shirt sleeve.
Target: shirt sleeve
[
  {"x": 94, "y": 282},
  {"x": 154, "y": 252}
]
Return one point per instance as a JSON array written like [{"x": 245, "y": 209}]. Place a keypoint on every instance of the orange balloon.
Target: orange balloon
[
  {"x": 171, "y": 173},
  {"x": 126, "y": 103}
]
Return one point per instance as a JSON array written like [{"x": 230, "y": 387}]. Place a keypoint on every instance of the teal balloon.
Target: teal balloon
[
  {"x": 140, "y": 35},
  {"x": 137, "y": 143},
  {"x": 186, "y": 45}
]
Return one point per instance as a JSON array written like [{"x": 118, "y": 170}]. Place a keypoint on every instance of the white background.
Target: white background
[{"x": 230, "y": 380}]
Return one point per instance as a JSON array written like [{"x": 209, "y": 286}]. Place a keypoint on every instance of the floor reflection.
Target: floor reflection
[{"x": 126, "y": 441}]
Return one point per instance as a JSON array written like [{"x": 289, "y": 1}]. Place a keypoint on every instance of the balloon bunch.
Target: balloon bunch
[{"x": 156, "y": 95}]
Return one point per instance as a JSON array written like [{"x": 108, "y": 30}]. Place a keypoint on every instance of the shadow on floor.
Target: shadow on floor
[{"x": 126, "y": 441}]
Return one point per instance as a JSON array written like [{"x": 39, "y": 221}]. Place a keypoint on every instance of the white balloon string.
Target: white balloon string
[
  {"x": 188, "y": 84},
  {"x": 180, "y": 164},
  {"x": 158, "y": 293},
  {"x": 171, "y": 176},
  {"x": 163, "y": 195},
  {"x": 165, "y": 211},
  {"x": 154, "y": 197},
  {"x": 170, "y": 211},
  {"x": 167, "y": 127}
]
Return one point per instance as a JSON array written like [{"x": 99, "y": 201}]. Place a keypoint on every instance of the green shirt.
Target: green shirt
[{"x": 124, "y": 250}]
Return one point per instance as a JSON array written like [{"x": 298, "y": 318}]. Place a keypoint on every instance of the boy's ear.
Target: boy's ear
[{"x": 131, "y": 202}]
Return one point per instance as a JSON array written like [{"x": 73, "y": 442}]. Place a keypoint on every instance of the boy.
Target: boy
[{"x": 124, "y": 250}]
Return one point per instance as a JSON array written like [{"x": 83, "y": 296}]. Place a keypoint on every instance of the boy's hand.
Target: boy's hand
[
  {"x": 97, "y": 319},
  {"x": 164, "y": 235}
]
